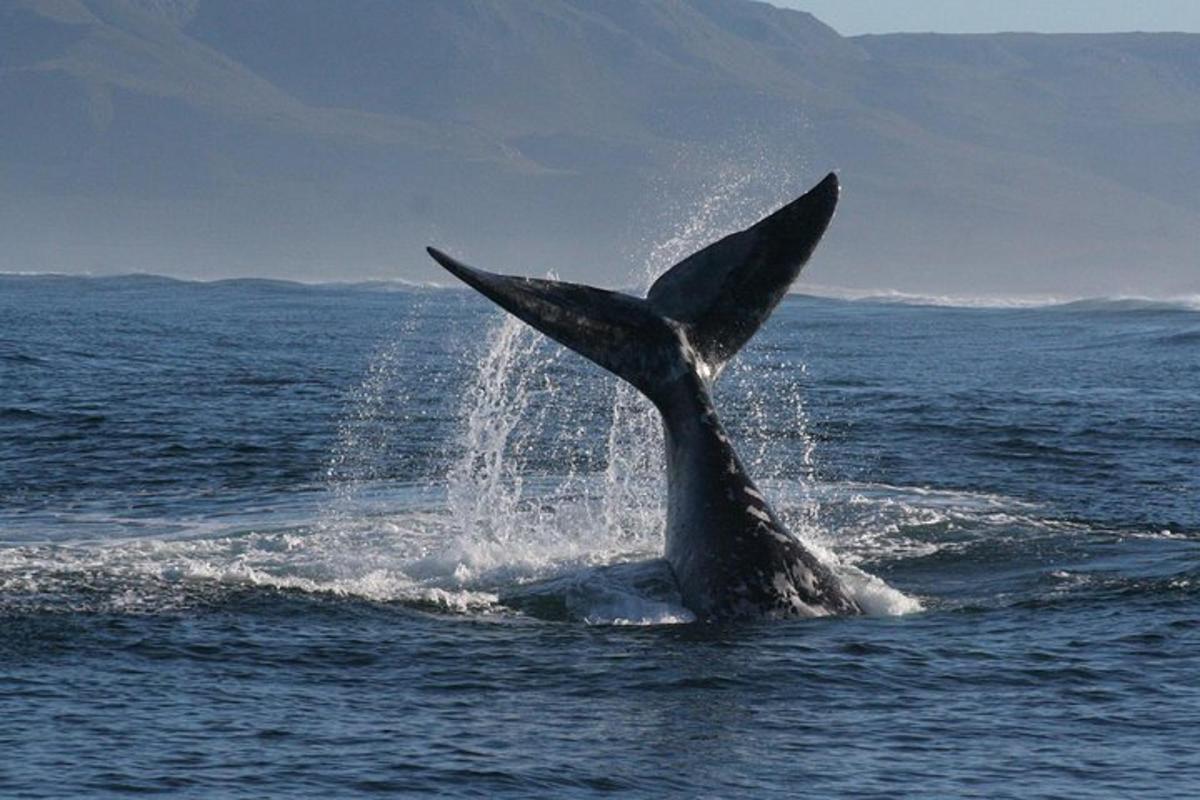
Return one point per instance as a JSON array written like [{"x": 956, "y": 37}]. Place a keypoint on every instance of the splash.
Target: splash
[
  {"x": 377, "y": 411},
  {"x": 511, "y": 517},
  {"x": 734, "y": 195},
  {"x": 503, "y": 522},
  {"x": 549, "y": 471},
  {"x": 486, "y": 486}
]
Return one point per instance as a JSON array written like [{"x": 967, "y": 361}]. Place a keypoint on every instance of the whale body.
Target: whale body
[{"x": 728, "y": 550}]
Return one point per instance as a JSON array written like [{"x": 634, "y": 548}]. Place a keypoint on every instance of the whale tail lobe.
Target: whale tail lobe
[{"x": 696, "y": 316}]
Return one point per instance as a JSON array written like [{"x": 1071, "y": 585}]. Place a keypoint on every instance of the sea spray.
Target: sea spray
[
  {"x": 500, "y": 520},
  {"x": 485, "y": 486},
  {"x": 634, "y": 479},
  {"x": 377, "y": 411},
  {"x": 508, "y": 523},
  {"x": 353, "y": 545},
  {"x": 512, "y": 516}
]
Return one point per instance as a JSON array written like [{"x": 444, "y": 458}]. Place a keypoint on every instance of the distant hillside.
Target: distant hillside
[{"x": 306, "y": 139}]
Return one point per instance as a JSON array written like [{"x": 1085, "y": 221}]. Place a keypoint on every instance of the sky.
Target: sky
[{"x": 852, "y": 17}]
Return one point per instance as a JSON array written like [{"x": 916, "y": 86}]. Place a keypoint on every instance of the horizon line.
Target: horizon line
[{"x": 819, "y": 291}]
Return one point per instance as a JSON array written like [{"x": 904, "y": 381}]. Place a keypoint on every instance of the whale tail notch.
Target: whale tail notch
[{"x": 710, "y": 303}]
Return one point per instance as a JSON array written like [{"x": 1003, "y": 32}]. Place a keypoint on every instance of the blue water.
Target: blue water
[{"x": 260, "y": 539}]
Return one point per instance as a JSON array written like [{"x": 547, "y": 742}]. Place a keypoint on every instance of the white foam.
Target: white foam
[
  {"x": 874, "y": 596},
  {"x": 1189, "y": 302},
  {"x": 919, "y": 299},
  {"x": 625, "y": 609}
]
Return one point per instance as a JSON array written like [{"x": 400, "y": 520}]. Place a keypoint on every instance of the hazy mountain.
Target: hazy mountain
[{"x": 312, "y": 139}]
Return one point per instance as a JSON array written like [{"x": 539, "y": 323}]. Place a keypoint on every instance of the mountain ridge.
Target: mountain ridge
[{"x": 290, "y": 139}]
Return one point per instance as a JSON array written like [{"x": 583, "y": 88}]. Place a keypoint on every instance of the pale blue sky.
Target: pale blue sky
[{"x": 851, "y": 17}]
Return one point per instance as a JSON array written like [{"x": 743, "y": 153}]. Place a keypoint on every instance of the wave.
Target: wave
[
  {"x": 1186, "y": 302},
  {"x": 555, "y": 560},
  {"x": 16, "y": 414},
  {"x": 22, "y": 358},
  {"x": 900, "y": 297},
  {"x": 551, "y": 560},
  {"x": 1190, "y": 337},
  {"x": 1133, "y": 304}
]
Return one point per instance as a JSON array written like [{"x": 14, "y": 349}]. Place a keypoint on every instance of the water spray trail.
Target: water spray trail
[
  {"x": 634, "y": 489},
  {"x": 485, "y": 485},
  {"x": 489, "y": 496},
  {"x": 377, "y": 411}
]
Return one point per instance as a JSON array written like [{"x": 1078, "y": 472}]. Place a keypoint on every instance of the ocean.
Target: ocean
[{"x": 265, "y": 539}]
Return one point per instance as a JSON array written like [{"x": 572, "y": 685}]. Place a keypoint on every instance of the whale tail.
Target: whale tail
[{"x": 696, "y": 316}]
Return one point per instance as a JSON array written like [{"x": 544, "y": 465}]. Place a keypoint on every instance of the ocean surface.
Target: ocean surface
[{"x": 262, "y": 539}]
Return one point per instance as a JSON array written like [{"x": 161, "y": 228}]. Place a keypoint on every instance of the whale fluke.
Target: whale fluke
[
  {"x": 728, "y": 550},
  {"x": 623, "y": 334},
  {"x": 725, "y": 292},
  {"x": 715, "y": 298}
]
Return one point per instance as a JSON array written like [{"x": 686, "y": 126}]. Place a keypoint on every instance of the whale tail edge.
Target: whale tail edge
[{"x": 696, "y": 316}]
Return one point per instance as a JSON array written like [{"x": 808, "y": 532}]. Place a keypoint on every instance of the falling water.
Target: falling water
[
  {"x": 531, "y": 491},
  {"x": 626, "y": 500},
  {"x": 486, "y": 485}
]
